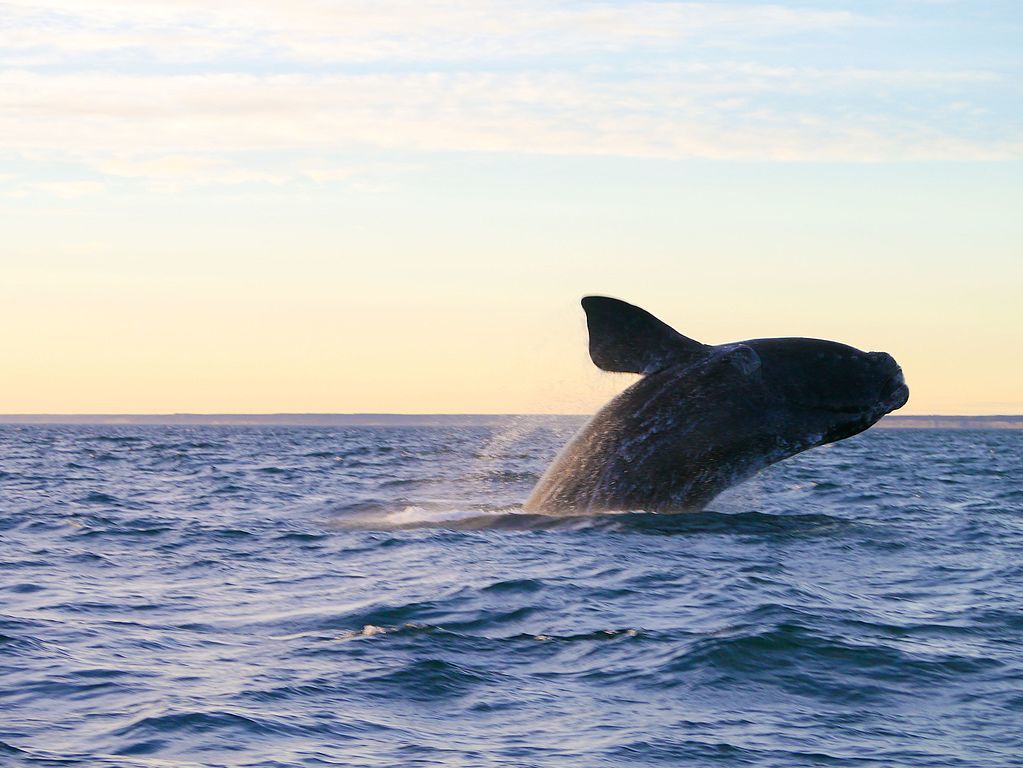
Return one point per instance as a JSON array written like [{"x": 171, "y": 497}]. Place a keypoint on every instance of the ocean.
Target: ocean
[{"x": 373, "y": 596}]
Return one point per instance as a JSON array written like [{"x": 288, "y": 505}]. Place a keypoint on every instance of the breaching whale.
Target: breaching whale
[{"x": 705, "y": 417}]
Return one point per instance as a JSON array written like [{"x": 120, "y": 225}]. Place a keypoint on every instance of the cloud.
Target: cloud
[
  {"x": 171, "y": 172},
  {"x": 395, "y": 31},
  {"x": 716, "y": 114},
  {"x": 68, "y": 189},
  {"x": 215, "y": 89}
]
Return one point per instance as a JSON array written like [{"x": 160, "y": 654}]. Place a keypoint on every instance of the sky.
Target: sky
[{"x": 395, "y": 206}]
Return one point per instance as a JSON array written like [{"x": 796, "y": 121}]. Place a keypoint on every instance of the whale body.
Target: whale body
[{"x": 705, "y": 417}]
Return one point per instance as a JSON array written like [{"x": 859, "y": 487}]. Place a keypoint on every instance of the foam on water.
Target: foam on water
[
  {"x": 212, "y": 596},
  {"x": 415, "y": 516}
]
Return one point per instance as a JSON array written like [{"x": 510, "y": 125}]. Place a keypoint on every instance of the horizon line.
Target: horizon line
[
  {"x": 48, "y": 414},
  {"x": 268, "y": 414},
  {"x": 368, "y": 419}
]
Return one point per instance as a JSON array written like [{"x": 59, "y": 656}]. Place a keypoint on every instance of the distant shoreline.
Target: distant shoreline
[{"x": 431, "y": 420}]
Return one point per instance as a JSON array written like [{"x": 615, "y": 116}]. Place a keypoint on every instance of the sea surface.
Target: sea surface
[{"x": 273, "y": 596}]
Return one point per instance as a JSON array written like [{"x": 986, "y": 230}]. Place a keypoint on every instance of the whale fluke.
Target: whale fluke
[{"x": 627, "y": 339}]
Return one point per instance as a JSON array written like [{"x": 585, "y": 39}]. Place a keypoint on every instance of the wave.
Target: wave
[
  {"x": 380, "y": 516},
  {"x": 240, "y": 596}
]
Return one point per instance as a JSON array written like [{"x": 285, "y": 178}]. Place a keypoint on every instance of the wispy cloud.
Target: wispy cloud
[
  {"x": 398, "y": 30},
  {"x": 707, "y": 114},
  {"x": 216, "y": 85},
  {"x": 68, "y": 189}
]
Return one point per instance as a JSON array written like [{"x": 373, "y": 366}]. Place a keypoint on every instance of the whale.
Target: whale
[{"x": 705, "y": 417}]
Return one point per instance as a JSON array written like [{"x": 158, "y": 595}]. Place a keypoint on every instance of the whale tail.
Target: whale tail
[{"x": 627, "y": 339}]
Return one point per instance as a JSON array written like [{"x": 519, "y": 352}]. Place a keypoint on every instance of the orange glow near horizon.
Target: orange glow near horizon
[
  {"x": 397, "y": 211},
  {"x": 274, "y": 340}
]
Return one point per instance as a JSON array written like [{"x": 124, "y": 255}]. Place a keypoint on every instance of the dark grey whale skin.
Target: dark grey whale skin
[{"x": 706, "y": 417}]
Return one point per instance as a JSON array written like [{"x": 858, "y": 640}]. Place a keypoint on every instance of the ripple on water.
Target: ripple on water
[{"x": 212, "y": 596}]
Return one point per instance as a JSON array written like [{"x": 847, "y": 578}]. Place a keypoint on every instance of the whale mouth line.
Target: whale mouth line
[
  {"x": 897, "y": 393},
  {"x": 898, "y": 398}
]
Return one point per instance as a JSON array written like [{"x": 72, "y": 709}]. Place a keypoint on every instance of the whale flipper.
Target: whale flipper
[{"x": 627, "y": 339}]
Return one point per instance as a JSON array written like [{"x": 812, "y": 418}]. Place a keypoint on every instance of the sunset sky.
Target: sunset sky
[{"x": 315, "y": 206}]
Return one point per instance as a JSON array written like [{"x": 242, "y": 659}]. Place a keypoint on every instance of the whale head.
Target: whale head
[{"x": 827, "y": 391}]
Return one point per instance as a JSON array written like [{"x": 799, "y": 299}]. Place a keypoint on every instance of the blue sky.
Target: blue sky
[{"x": 303, "y": 186}]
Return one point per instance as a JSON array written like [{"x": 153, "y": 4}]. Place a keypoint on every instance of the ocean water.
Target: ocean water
[{"x": 248, "y": 596}]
